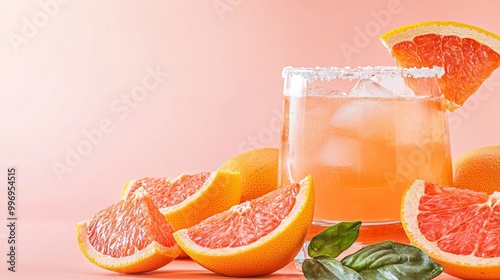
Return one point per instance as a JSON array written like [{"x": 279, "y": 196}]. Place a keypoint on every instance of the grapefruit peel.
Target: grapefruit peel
[
  {"x": 221, "y": 190},
  {"x": 468, "y": 54},
  {"x": 444, "y": 28}
]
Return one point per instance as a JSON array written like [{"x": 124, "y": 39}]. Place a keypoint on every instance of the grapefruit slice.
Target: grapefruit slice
[
  {"x": 130, "y": 236},
  {"x": 256, "y": 237},
  {"x": 458, "y": 228},
  {"x": 188, "y": 199},
  {"x": 467, "y": 53}
]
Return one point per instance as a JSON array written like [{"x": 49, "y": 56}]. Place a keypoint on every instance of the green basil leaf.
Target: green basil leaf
[
  {"x": 334, "y": 240},
  {"x": 391, "y": 260},
  {"x": 327, "y": 268}
]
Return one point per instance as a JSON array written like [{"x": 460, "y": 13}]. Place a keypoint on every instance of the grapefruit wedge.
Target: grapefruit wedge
[
  {"x": 256, "y": 237},
  {"x": 188, "y": 199},
  {"x": 130, "y": 236},
  {"x": 458, "y": 228},
  {"x": 468, "y": 54}
]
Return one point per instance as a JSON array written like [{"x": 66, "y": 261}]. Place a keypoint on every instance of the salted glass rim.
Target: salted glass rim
[{"x": 360, "y": 72}]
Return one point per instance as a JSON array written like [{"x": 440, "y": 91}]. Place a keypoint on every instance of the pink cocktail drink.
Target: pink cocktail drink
[{"x": 365, "y": 147}]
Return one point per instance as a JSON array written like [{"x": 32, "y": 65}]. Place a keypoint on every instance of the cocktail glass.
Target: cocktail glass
[{"x": 364, "y": 134}]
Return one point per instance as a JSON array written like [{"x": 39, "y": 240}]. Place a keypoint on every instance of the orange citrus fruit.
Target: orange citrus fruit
[
  {"x": 256, "y": 237},
  {"x": 467, "y": 53},
  {"x": 188, "y": 199},
  {"x": 458, "y": 228},
  {"x": 478, "y": 170},
  {"x": 258, "y": 169},
  {"x": 130, "y": 236}
]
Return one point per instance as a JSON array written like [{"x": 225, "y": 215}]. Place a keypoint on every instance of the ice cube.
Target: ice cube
[
  {"x": 395, "y": 84},
  {"x": 370, "y": 88},
  {"x": 365, "y": 119},
  {"x": 302, "y": 255},
  {"x": 323, "y": 91},
  {"x": 340, "y": 152}
]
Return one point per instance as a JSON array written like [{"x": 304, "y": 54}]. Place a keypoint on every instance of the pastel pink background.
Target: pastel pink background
[{"x": 218, "y": 93}]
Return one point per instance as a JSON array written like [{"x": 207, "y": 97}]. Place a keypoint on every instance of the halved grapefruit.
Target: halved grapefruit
[
  {"x": 130, "y": 236},
  {"x": 467, "y": 53},
  {"x": 188, "y": 199},
  {"x": 458, "y": 228},
  {"x": 256, "y": 237}
]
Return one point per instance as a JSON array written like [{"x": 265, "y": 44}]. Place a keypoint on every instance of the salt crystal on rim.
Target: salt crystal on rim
[{"x": 360, "y": 72}]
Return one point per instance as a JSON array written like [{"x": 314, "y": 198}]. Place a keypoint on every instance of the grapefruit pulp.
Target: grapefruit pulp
[
  {"x": 130, "y": 236},
  {"x": 188, "y": 199},
  {"x": 458, "y": 228}
]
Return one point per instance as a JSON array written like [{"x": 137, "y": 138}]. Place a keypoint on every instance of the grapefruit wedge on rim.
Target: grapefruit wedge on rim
[
  {"x": 131, "y": 236},
  {"x": 468, "y": 54},
  {"x": 188, "y": 199},
  {"x": 458, "y": 228},
  {"x": 256, "y": 237}
]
